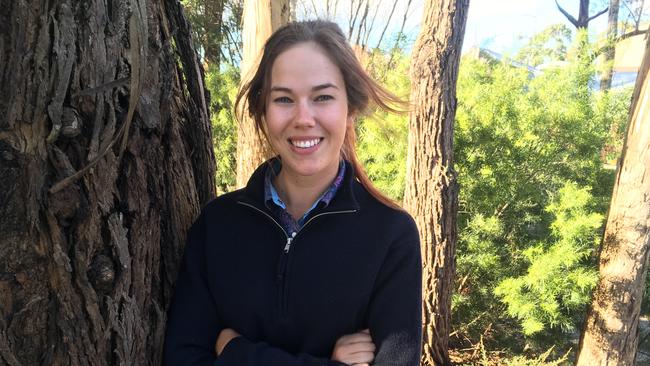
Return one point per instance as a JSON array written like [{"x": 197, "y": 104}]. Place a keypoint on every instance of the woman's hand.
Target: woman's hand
[
  {"x": 225, "y": 336},
  {"x": 355, "y": 349}
]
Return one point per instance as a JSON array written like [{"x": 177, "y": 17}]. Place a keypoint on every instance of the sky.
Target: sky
[{"x": 504, "y": 25}]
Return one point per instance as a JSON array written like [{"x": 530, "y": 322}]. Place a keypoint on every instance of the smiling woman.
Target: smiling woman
[
  {"x": 308, "y": 264},
  {"x": 306, "y": 119}
]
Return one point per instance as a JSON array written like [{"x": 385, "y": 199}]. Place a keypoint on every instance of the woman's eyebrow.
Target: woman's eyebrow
[
  {"x": 280, "y": 89},
  {"x": 324, "y": 86},
  {"x": 315, "y": 88}
]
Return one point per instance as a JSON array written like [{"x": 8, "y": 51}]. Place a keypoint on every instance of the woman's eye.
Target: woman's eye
[
  {"x": 282, "y": 100},
  {"x": 322, "y": 98}
]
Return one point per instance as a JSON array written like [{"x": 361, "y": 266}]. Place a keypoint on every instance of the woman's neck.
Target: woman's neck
[{"x": 300, "y": 192}]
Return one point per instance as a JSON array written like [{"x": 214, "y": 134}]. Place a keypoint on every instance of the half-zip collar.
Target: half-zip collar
[{"x": 344, "y": 200}]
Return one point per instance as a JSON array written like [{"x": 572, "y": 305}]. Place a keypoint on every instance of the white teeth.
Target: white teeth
[{"x": 304, "y": 144}]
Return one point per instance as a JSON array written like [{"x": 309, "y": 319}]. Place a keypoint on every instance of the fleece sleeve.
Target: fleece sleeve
[
  {"x": 193, "y": 324},
  {"x": 242, "y": 352},
  {"x": 395, "y": 314}
]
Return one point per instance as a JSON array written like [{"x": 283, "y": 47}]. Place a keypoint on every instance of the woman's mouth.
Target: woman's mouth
[{"x": 305, "y": 143}]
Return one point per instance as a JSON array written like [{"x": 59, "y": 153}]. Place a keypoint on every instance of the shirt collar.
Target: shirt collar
[
  {"x": 271, "y": 194},
  {"x": 345, "y": 198}
]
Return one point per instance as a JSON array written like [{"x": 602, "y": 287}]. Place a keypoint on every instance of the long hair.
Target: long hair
[{"x": 362, "y": 91}]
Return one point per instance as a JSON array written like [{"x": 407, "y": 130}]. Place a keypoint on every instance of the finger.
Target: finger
[
  {"x": 360, "y": 357},
  {"x": 353, "y": 348},
  {"x": 354, "y": 338},
  {"x": 367, "y": 331}
]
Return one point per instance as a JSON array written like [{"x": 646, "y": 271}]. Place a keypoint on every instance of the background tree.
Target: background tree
[
  {"x": 207, "y": 26},
  {"x": 610, "y": 50},
  {"x": 105, "y": 160},
  {"x": 222, "y": 80},
  {"x": 629, "y": 28},
  {"x": 611, "y": 331},
  {"x": 431, "y": 189},
  {"x": 365, "y": 21},
  {"x": 260, "y": 19},
  {"x": 583, "y": 14}
]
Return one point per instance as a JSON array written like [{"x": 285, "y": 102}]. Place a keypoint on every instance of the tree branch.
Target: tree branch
[
  {"x": 362, "y": 22},
  {"x": 631, "y": 34},
  {"x": 372, "y": 24},
  {"x": 600, "y": 51},
  {"x": 353, "y": 20},
  {"x": 567, "y": 15},
  {"x": 598, "y": 14},
  {"x": 390, "y": 16}
]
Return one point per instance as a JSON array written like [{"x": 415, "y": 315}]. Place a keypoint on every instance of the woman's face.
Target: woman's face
[{"x": 307, "y": 112}]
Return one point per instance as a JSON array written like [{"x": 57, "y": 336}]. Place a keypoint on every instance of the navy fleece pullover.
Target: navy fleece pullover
[{"x": 355, "y": 264}]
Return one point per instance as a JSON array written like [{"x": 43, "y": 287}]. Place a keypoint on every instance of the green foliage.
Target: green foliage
[
  {"x": 223, "y": 89},
  {"x": 550, "y": 44},
  {"x": 560, "y": 277},
  {"x": 522, "y": 230},
  {"x": 382, "y": 138},
  {"x": 613, "y": 109}
]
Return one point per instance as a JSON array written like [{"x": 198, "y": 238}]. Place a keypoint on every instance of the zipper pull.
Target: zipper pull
[{"x": 289, "y": 240}]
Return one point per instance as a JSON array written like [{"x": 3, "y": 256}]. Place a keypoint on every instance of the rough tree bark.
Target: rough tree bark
[
  {"x": 432, "y": 191},
  {"x": 260, "y": 19},
  {"x": 611, "y": 330},
  {"x": 105, "y": 159}
]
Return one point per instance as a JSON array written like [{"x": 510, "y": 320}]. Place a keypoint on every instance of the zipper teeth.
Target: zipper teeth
[
  {"x": 322, "y": 214},
  {"x": 291, "y": 238},
  {"x": 303, "y": 226}
]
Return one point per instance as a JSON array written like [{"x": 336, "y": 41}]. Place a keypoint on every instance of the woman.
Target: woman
[{"x": 308, "y": 264}]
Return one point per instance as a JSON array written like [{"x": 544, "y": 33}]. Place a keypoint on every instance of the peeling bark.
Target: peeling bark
[
  {"x": 105, "y": 160},
  {"x": 611, "y": 331},
  {"x": 431, "y": 194}
]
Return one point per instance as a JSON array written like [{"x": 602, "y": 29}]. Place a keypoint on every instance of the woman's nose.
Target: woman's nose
[{"x": 304, "y": 114}]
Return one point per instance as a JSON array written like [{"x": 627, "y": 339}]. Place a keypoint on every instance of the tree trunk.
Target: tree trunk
[
  {"x": 610, "y": 50},
  {"x": 611, "y": 330},
  {"x": 105, "y": 160},
  {"x": 260, "y": 19},
  {"x": 432, "y": 191}
]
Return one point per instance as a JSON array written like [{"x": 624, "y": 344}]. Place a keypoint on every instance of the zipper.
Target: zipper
[
  {"x": 284, "y": 258},
  {"x": 289, "y": 240},
  {"x": 270, "y": 218}
]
